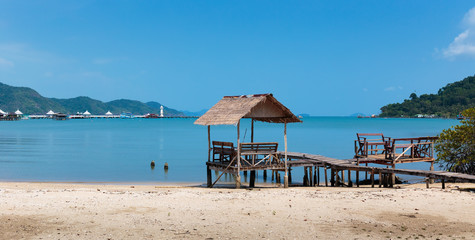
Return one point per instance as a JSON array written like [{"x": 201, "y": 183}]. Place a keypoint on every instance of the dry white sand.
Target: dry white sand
[{"x": 81, "y": 211}]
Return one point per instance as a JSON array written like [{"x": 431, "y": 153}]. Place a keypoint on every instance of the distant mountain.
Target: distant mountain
[
  {"x": 31, "y": 102},
  {"x": 448, "y": 102},
  {"x": 194, "y": 114},
  {"x": 25, "y": 99}
]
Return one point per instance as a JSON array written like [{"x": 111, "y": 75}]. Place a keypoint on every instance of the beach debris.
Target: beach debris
[{"x": 165, "y": 166}]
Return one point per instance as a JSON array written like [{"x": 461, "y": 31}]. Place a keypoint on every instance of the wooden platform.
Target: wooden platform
[
  {"x": 382, "y": 159},
  {"x": 339, "y": 166}
]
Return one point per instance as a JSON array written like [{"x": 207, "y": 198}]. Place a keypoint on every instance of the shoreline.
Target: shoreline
[{"x": 105, "y": 211}]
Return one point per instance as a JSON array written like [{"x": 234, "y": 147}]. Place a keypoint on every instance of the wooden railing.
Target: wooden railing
[{"x": 422, "y": 147}]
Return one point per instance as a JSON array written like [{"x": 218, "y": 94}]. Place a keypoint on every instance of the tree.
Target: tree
[{"x": 456, "y": 145}]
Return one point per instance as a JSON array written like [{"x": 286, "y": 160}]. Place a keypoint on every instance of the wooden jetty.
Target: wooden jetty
[
  {"x": 249, "y": 156},
  {"x": 225, "y": 157}
]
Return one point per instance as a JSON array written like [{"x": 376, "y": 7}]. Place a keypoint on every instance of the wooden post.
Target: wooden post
[
  {"x": 310, "y": 176},
  {"x": 366, "y": 173},
  {"x": 443, "y": 183},
  {"x": 326, "y": 178},
  {"x": 252, "y": 180},
  {"x": 209, "y": 144},
  {"x": 427, "y": 182},
  {"x": 305, "y": 176},
  {"x": 317, "y": 171},
  {"x": 290, "y": 175},
  {"x": 350, "y": 184},
  {"x": 264, "y": 175},
  {"x": 210, "y": 180},
  {"x": 238, "y": 176},
  {"x": 272, "y": 175},
  {"x": 342, "y": 177},
  {"x": 431, "y": 169},
  {"x": 252, "y": 130},
  {"x": 357, "y": 173},
  {"x": 286, "y": 177},
  {"x": 337, "y": 184},
  {"x": 208, "y": 170},
  {"x": 315, "y": 176},
  {"x": 380, "y": 179},
  {"x": 393, "y": 176},
  {"x": 372, "y": 178}
]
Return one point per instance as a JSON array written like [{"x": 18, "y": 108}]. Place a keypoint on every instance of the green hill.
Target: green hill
[
  {"x": 31, "y": 102},
  {"x": 448, "y": 102},
  {"x": 25, "y": 99}
]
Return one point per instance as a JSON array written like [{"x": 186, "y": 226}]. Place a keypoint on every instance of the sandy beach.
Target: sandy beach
[{"x": 87, "y": 211}]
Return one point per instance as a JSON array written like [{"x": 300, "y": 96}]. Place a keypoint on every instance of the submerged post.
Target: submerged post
[
  {"x": 286, "y": 177},
  {"x": 238, "y": 176}
]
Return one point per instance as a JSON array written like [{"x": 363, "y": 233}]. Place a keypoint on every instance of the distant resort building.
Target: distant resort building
[{"x": 161, "y": 111}]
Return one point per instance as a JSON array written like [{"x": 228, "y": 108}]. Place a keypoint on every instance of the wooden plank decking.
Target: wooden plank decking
[{"x": 313, "y": 160}]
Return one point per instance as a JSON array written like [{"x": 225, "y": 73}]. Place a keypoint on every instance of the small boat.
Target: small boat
[
  {"x": 460, "y": 116},
  {"x": 126, "y": 115}
]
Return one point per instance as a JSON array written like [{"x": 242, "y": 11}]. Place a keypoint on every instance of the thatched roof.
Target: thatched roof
[{"x": 261, "y": 107}]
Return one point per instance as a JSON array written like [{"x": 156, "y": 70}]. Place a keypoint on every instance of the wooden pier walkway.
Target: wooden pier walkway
[{"x": 309, "y": 160}]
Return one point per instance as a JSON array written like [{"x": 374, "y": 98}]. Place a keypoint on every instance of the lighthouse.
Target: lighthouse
[{"x": 161, "y": 111}]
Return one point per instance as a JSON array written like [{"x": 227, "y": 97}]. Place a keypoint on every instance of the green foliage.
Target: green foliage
[
  {"x": 448, "y": 102},
  {"x": 456, "y": 145},
  {"x": 31, "y": 102}
]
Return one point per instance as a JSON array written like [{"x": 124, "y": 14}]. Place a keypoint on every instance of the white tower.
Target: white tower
[{"x": 161, "y": 111}]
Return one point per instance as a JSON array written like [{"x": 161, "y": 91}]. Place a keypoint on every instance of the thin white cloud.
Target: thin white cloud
[
  {"x": 6, "y": 63},
  {"x": 464, "y": 43}
]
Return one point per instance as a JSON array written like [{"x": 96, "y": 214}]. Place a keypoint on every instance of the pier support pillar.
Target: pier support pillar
[
  {"x": 372, "y": 178},
  {"x": 252, "y": 179},
  {"x": 310, "y": 174},
  {"x": 431, "y": 169},
  {"x": 326, "y": 177},
  {"x": 393, "y": 176},
  {"x": 443, "y": 183},
  {"x": 290, "y": 175},
  {"x": 350, "y": 183},
  {"x": 264, "y": 175},
  {"x": 238, "y": 181},
  {"x": 286, "y": 181},
  {"x": 209, "y": 181},
  {"x": 332, "y": 177}
]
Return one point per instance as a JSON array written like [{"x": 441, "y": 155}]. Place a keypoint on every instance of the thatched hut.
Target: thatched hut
[{"x": 229, "y": 111}]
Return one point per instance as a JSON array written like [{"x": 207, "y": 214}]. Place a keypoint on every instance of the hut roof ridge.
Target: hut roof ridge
[{"x": 261, "y": 107}]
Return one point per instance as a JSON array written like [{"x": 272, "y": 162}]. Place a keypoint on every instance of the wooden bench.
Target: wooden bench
[
  {"x": 223, "y": 151},
  {"x": 258, "y": 152},
  {"x": 370, "y": 146}
]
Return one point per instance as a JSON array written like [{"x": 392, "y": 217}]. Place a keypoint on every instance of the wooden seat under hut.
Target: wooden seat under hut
[{"x": 250, "y": 156}]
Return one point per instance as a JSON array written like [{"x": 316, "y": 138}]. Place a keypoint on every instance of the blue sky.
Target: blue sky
[{"x": 326, "y": 58}]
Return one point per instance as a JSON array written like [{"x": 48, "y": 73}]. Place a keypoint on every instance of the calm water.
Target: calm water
[{"x": 120, "y": 150}]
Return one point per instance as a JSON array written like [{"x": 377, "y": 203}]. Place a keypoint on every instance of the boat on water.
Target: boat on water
[
  {"x": 460, "y": 116},
  {"x": 126, "y": 115}
]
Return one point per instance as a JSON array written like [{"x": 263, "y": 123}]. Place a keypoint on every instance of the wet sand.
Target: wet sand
[{"x": 105, "y": 211}]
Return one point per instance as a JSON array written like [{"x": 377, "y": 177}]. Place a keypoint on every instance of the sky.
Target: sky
[{"x": 324, "y": 58}]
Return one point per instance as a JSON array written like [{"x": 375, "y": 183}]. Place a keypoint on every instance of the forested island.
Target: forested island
[
  {"x": 30, "y": 101},
  {"x": 449, "y": 101}
]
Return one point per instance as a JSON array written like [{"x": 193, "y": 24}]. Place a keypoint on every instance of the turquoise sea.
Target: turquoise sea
[{"x": 120, "y": 150}]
